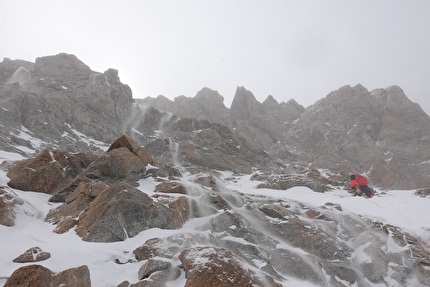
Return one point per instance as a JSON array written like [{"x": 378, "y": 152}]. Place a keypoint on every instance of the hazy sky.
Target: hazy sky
[{"x": 300, "y": 49}]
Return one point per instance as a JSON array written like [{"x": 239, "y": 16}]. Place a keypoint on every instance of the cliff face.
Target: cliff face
[{"x": 61, "y": 96}]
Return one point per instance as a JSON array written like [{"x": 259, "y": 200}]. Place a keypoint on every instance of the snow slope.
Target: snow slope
[{"x": 400, "y": 208}]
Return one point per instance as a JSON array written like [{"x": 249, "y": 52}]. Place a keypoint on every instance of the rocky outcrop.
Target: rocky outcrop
[
  {"x": 36, "y": 275},
  {"x": 48, "y": 172}
]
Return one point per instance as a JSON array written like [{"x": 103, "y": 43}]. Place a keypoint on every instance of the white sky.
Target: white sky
[{"x": 300, "y": 49}]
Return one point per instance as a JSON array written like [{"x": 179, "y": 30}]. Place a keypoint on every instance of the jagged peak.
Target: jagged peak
[
  {"x": 245, "y": 104},
  {"x": 243, "y": 95},
  {"x": 270, "y": 100},
  {"x": 293, "y": 102}
]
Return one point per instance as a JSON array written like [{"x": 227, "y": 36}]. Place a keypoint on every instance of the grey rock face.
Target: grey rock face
[
  {"x": 123, "y": 211},
  {"x": 353, "y": 130},
  {"x": 61, "y": 96}
]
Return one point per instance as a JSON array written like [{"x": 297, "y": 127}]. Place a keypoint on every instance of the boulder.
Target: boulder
[
  {"x": 36, "y": 275},
  {"x": 48, "y": 172},
  {"x": 152, "y": 266},
  {"x": 218, "y": 267},
  {"x": 124, "y": 160},
  {"x": 132, "y": 146},
  {"x": 40, "y": 174},
  {"x": 123, "y": 211},
  {"x": 33, "y": 254}
]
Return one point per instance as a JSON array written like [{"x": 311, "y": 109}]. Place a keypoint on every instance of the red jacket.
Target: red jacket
[{"x": 358, "y": 181}]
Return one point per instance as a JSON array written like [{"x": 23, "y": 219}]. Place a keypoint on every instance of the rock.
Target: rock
[
  {"x": 8, "y": 201},
  {"x": 48, "y": 172},
  {"x": 132, "y": 146},
  {"x": 297, "y": 266},
  {"x": 34, "y": 254},
  {"x": 65, "y": 192},
  {"x": 124, "y": 160},
  {"x": 36, "y": 275},
  {"x": 123, "y": 211},
  {"x": 41, "y": 174},
  {"x": 170, "y": 187},
  {"x": 160, "y": 278},
  {"x": 206, "y": 180},
  {"x": 424, "y": 192},
  {"x": 218, "y": 266},
  {"x": 32, "y": 275},
  {"x": 65, "y": 216},
  {"x": 124, "y": 284},
  {"x": 152, "y": 266},
  {"x": 312, "y": 180}
]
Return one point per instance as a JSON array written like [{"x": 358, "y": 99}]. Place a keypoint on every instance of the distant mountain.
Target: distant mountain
[{"x": 64, "y": 104}]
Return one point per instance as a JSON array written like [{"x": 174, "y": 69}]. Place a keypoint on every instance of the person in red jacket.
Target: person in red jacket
[{"x": 360, "y": 184}]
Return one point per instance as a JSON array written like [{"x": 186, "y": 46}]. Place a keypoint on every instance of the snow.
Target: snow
[
  {"x": 89, "y": 141},
  {"x": 398, "y": 207}
]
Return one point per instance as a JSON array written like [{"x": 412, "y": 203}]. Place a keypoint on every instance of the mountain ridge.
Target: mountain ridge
[{"x": 65, "y": 104}]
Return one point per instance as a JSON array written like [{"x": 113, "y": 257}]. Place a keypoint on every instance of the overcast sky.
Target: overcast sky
[{"x": 301, "y": 49}]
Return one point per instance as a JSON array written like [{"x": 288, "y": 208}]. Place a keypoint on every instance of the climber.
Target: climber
[{"x": 359, "y": 184}]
